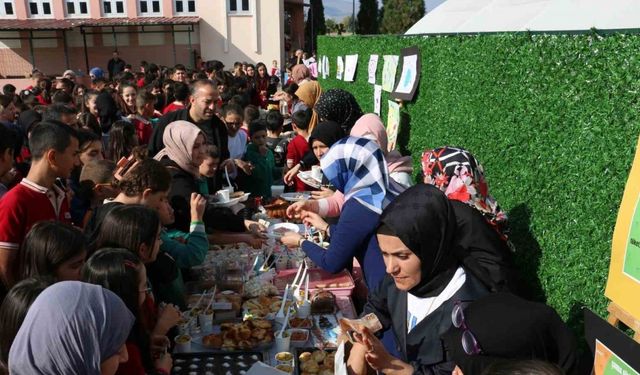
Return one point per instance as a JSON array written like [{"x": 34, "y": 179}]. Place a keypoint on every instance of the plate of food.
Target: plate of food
[
  {"x": 247, "y": 335},
  {"x": 215, "y": 202},
  {"x": 315, "y": 361},
  {"x": 278, "y": 230},
  {"x": 241, "y": 195},
  {"x": 296, "y": 196},
  {"x": 263, "y": 307},
  {"x": 305, "y": 176}
]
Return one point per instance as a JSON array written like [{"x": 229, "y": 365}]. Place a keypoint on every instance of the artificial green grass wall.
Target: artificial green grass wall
[{"x": 554, "y": 119}]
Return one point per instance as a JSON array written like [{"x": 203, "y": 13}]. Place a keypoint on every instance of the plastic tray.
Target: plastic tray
[
  {"x": 317, "y": 278},
  {"x": 214, "y": 363}
]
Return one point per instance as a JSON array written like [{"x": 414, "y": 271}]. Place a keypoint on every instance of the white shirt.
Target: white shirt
[{"x": 419, "y": 308}]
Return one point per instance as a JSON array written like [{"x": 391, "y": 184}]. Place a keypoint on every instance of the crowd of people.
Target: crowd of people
[{"x": 106, "y": 202}]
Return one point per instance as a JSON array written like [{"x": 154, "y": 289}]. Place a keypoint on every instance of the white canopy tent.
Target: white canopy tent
[{"x": 472, "y": 16}]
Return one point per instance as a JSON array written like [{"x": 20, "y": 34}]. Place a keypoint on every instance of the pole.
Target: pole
[
  {"x": 313, "y": 30},
  {"x": 353, "y": 18},
  {"x": 31, "y": 53},
  {"x": 173, "y": 44},
  {"x": 86, "y": 54},
  {"x": 66, "y": 50}
]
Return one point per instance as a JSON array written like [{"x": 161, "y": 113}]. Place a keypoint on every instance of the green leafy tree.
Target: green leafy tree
[
  {"x": 347, "y": 21},
  {"x": 331, "y": 26},
  {"x": 368, "y": 17},
  {"x": 315, "y": 25},
  {"x": 400, "y": 15}
]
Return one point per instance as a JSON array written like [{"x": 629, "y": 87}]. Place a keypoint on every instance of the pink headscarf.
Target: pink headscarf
[
  {"x": 179, "y": 138},
  {"x": 299, "y": 73},
  {"x": 370, "y": 126}
]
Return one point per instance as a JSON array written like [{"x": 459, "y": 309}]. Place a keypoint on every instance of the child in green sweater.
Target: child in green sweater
[{"x": 264, "y": 165}]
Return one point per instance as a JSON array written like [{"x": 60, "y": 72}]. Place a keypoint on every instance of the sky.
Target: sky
[{"x": 338, "y": 9}]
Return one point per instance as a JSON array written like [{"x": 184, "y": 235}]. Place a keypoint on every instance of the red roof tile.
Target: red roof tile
[
  {"x": 53, "y": 24},
  {"x": 7, "y": 24}
]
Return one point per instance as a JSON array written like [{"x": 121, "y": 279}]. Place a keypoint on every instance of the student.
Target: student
[
  {"x": 96, "y": 184},
  {"x": 299, "y": 145},
  {"x": 208, "y": 168},
  {"x": 276, "y": 143},
  {"x": 76, "y": 328},
  {"x": 13, "y": 311},
  {"x": 142, "y": 119},
  {"x": 122, "y": 140},
  {"x": 340, "y": 106},
  {"x": 262, "y": 86},
  {"x": 261, "y": 158},
  {"x": 61, "y": 112},
  {"x": 181, "y": 94},
  {"x": 127, "y": 94},
  {"x": 90, "y": 150},
  {"x": 251, "y": 113},
  {"x": 232, "y": 116},
  {"x": 8, "y": 140},
  {"x": 124, "y": 274},
  {"x": 53, "y": 249},
  {"x": 54, "y": 152}
]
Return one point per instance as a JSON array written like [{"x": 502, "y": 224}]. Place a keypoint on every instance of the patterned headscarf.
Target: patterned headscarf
[
  {"x": 71, "y": 328},
  {"x": 340, "y": 106},
  {"x": 357, "y": 168},
  {"x": 457, "y": 173}
]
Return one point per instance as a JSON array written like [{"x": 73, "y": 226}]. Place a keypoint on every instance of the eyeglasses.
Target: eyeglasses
[
  {"x": 469, "y": 341},
  {"x": 146, "y": 290}
]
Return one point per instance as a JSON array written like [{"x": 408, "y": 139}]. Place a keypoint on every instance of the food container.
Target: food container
[
  {"x": 214, "y": 363},
  {"x": 205, "y": 320},
  {"x": 298, "y": 337},
  {"x": 284, "y": 358},
  {"x": 340, "y": 284},
  {"x": 285, "y": 368},
  {"x": 314, "y": 359},
  {"x": 283, "y": 342},
  {"x": 183, "y": 343},
  {"x": 304, "y": 309}
]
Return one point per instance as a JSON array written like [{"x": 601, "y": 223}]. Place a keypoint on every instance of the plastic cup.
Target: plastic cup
[
  {"x": 284, "y": 357},
  {"x": 277, "y": 190},
  {"x": 283, "y": 343},
  {"x": 183, "y": 343},
  {"x": 316, "y": 173},
  {"x": 223, "y": 195},
  {"x": 205, "y": 321},
  {"x": 304, "y": 309}
]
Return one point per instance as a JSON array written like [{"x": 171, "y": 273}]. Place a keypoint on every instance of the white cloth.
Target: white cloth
[{"x": 420, "y": 308}]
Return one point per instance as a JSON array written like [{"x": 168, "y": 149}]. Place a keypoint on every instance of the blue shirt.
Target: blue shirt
[{"x": 353, "y": 236}]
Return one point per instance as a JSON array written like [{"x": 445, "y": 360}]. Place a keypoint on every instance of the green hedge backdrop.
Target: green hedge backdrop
[{"x": 553, "y": 118}]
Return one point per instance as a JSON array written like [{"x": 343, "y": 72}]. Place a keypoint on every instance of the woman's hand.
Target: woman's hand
[
  {"x": 291, "y": 239},
  {"x": 255, "y": 228},
  {"x": 295, "y": 210},
  {"x": 314, "y": 220},
  {"x": 198, "y": 204},
  {"x": 356, "y": 364},
  {"x": 168, "y": 317},
  {"x": 288, "y": 177},
  {"x": 322, "y": 193},
  {"x": 379, "y": 359},
  {"x": 164, "y": 363}
]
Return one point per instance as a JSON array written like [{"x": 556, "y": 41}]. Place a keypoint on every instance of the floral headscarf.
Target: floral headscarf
[{"x": 457, "y": 173}]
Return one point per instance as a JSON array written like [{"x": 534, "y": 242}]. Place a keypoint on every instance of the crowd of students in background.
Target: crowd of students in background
[{"x": 111, "y": 184}]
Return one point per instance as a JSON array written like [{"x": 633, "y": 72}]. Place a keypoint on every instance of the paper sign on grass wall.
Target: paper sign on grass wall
[{"x": 623, "y": 284}]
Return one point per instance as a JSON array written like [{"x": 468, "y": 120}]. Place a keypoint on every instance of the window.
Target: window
[
  {"x": 113, "y": 8},
  {"x": 40, "y": 9},
  {"x": 149, "y": 7},
  {"x": 239, "y": 7},
  {"x": 77, "y": 8},
  {"x": 184, "y": 6},
  {"x": 7, "y": 9}
]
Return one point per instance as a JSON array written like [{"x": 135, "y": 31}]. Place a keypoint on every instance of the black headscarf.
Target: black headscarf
[
  {"x": 107, "y": 111},
  {"x": 327, "y": 132},
  {"x": 510, "y": 328},
  {"x": 423, "y": 219},
  {"x": 340, "y": 106}
]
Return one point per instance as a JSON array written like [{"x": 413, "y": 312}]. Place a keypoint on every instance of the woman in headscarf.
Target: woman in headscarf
[
  {"x": 482, "y": 225},
  {"x": 309, "y": 93},
  {"x": 356, "y": 167},
  {"x": 417, "y": 238},
  {"x": 183, "y": 153},
  {"x": 340, "y": 106},
  {"x": 72, "y": 328},
  {"x": 300, "y": 74},
  {"x": 503, "y": 328},
  {"x": 400, "y": 168}
]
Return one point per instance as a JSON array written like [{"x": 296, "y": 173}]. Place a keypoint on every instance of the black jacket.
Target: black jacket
[
  {"x": 114, "y": 67},
  {"x": 422, "y": 347},
  {"x": 182, "y": 185}
]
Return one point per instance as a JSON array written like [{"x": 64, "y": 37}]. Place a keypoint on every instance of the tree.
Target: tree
[
  {"x": 331, "y": 26},
  {"x": 315, "y": 25},
  {"x": 347, "y": 21},
  {"x": 368, "y": 17},
  {"x": 400, "y": 15}
]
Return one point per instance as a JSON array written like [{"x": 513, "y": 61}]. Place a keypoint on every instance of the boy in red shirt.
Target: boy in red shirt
[
  {"x": 299, "y": 145},
  {"x": 142, "y": 119},
  {"x": 54, "y": 154},
  {"x": 181, "y": 95}
]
